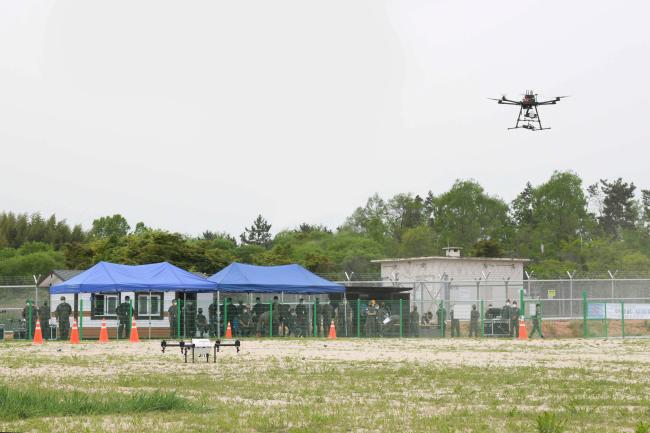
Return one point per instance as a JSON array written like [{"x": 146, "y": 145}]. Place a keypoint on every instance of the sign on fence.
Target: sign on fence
[
  {"x": 612, "y": 310},
  {"x": 551, "y": 294},
  {"x": 532, "y": 308}
]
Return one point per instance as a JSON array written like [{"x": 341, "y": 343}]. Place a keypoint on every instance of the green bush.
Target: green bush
[{"x": 549, "y": 423}]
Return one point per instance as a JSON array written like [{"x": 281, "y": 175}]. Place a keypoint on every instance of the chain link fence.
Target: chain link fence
[{"x": 423, "y": 309}]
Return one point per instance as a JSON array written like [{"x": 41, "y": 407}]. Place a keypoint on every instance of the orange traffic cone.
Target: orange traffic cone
[
  {"x": 74, "y": 335},
  {"x": 103, "y": 333},
  {"x": 134, "y": 333},
  {"x": 332, "y": 331},
  {"x": 228, "y": 331},
  {"x": 38, "y": 335},
  {"x": 523, "y": 334}
]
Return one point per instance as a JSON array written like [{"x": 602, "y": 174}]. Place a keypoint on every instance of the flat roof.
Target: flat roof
[{"x": 467, "y": 259}]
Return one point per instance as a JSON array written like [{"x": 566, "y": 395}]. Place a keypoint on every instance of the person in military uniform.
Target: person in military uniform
[
  {"x": 237, "y": 321},
  {"x": 30, "y": 320},
  {"x": 371, "y": 319},
  {"x": 258, "y": 309},
  {"x": 201, "y": 323},
  {"x": 262, "y": 326},
  {"x": 212, "y": 316},
  {"x": 283, "y": 317},
  {"x": 473, "y": 322},
  {"x": 172, "y": 312},
  {"x": 123, "y": 311},
  {"x": 414, "y": 322},
  {"x": 326, "y": 314},
  {"x": 62, "y": 314},
  {"x": 455, "y": 324},
  {"x": 302, "y": 319},
  {"x": 514, "y": 319},
  {"x": 441, "y": 316},
  {"x": 189, "y": 311},
  {"x": 245, "y": 321},
  {"x": 537, "y": 321},
  {"x": 44, "y": 315}
]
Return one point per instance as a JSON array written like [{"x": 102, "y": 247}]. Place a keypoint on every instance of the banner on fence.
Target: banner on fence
[{"x": 612, "y": 310}]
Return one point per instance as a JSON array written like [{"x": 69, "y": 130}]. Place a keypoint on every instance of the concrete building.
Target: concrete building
[{"x": 456, "y": 279}]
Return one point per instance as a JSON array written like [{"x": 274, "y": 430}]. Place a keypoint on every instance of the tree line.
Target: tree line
[{"x": 561, "y": 225}]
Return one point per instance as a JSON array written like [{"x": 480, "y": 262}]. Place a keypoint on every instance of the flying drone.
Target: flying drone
[{"x": 528, "y": 114}]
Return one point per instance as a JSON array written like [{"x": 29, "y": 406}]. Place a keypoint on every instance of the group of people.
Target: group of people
[
  {"x": 31, "y": 312},
  {"x": 509, "y": 313}
]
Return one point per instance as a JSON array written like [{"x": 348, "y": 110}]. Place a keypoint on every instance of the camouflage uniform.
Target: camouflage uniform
[
  {"x": 326, "y": 318},
  {"x": 201, "y": 323},
  {"x": 473, "y": 322},
  {"x": 44, "y": 315},
  {"x": 537, "y": 321},
  {"x": 212, "y": 316},
  {"x": 123, "y": 311},
  {"x": 414, "y": 322},
  {"x": 173, "y": 319},
  {"x": 441, "y": 315},
  {"x": 455, "y": 325},
  {"x": 302, "y": 319},
  {"x": 62, "y": 314}
]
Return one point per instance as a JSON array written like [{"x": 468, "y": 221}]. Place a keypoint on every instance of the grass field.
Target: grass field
[{"x": 291, "y": 385}]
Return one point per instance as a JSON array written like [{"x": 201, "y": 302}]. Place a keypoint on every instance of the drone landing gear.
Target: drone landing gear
[{"x": 528, "y": 120}]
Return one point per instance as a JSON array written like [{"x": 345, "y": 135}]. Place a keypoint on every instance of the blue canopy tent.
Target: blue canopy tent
[
  {"x": 238, "y": 277},
  {"x": 108, "y": 277}
]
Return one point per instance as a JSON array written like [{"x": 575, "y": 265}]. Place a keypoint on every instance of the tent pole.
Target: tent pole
[
  {"x": 345, "y": 312},
  {"x": 218, "y": 314},
  {"x": 149, "y": 308},
  {"x": 184, "y": 315}
]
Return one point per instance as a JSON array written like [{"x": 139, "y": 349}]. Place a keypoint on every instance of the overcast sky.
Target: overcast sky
[{"x": 199, "y": 115}]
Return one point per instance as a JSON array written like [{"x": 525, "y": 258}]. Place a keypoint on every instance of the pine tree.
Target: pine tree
[{"x": 258, "y": 234}]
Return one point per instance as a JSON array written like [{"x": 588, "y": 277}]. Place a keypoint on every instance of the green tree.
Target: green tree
[
  {"x": 619, "y": 207},
  {"x": 257, "y": 234},
  {"x": 110, "y": 226},
  {"x": 466, "y": 214},
  {"x": 487, "y": 248}
]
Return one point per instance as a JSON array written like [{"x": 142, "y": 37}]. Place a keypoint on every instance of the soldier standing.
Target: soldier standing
[
  {"x": 302, "y": 318},
  {"x": 537, "y": 321},
  {"x": 123, "y": 311},
  {"x": 258, "y": 309},
  {"x": 441, "y": 315},
  {"x": 212, "y": 316},
  {"x": 371, "y": 319},
  {"x": 245, "y": 321},
  {"x": 62, "y": 314},
  {"x": 189, "y": 311},
  {"x": 414, "y": 322},
  {"x": 173, "y": 319},
  {"x": 455, "y": 324},
  {"x": 201, "y": 323},
  {"x": 30, "y": 320},
  {"x": 44, "y": 315},
  {"x": 473, "y": 322},
  {"x": 514, "y": 318},
  {"x": 284, "y": 316}
]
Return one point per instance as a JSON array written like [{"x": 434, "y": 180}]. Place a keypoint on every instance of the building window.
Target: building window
[
  {"x": 149, "y": 305},
  {"x": 103, "y": 305}
]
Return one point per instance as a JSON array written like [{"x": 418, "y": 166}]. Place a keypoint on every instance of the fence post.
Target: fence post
[
  {"x": 358, "y": 317},
  {"x": 270, "y": 318},
  {"x": 522, "y": 310},
  {"x": 606, "y": 322},
  {"x": 225, "y": 315},
  {"x": 401, "y": 321},
  {"x": 482, "y": 320},
  {"x": 315, "y": 318},
  {"x": 81, "y": 319},
  {"x": 442, "y": 319},
  {"x": 623, "y": 319},
  {"x": 178, "y": 319},
  {"x": 585, "y": 312},
  {"x": 29, "y": 319}
]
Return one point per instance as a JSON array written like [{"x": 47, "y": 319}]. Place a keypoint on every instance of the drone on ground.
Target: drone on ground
[{"x": 528, "y": 114}]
